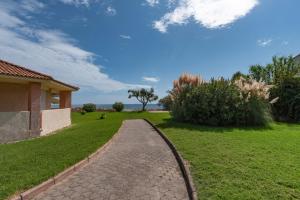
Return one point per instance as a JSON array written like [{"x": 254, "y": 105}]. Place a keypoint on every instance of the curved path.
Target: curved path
[{"x": 138, "y": 164}]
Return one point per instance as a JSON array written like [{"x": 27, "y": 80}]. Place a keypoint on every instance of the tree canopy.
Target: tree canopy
[{"x": 143, "y": 95}]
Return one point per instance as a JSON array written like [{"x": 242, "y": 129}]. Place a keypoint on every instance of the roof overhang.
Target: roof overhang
[{"x": 46, "y": 84}]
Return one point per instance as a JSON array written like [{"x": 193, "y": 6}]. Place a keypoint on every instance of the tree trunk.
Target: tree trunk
[{"x": 144, "y": 106}]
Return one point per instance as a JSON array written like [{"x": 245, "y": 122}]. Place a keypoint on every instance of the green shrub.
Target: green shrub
[
  {"x": 118, "y": 106},
  {"x": 102, "y": 116},
  {"x": 287, "y": 108},
  {"x": 213, "y": 103},
  {"x": 166, "y": 102},
  {"x": 83, "y": 112},
  {"x": 220, "y": 103},
  {"x": 89, "y": 107},
  {"x": 282, "y": 73},
  {"x": 254, "y": 111}
]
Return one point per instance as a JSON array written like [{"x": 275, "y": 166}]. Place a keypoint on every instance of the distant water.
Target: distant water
[{"x": 126, "y": 106}]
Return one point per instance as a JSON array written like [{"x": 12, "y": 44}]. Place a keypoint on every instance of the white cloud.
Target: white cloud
[
  {"x": 208, "y": 13},
  {"x": 52, "y": 52},
  {"x": 152, "y": 2},
  {"x": 9, "y": 21},
  {"x": 32, "y": 5},
  {"x": 150, "y": 79},
  {"x": 170, "y": 3},
  {"x": 264, "y": 42},
  {"x": 111, "y": 11},
  {"x": 77, "y": 2},
  {"x": 285, "y": 43},
  {"x": 126, "y": 37}
]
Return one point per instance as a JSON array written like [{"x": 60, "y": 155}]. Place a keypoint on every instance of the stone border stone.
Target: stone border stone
[
  {"x": 184, "y": 168},
  {"x": 31, "y": 193}
]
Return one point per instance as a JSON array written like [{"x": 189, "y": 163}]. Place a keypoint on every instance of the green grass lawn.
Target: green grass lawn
[
  {"x": 232, "y": 163},
  {"x": 26, "y": 164},
  {"x": 226, "y": 163}
]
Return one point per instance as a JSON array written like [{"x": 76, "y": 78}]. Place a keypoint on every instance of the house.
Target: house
[
  {"x": 27, "y": 99},
  {"x": 297, "y": 59}
]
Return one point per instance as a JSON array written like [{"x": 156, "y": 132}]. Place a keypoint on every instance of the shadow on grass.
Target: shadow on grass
[{"x": 170, "y": 123}]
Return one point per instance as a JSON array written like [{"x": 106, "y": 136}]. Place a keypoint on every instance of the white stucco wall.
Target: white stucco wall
[
  {"x": 14, "y": 126},
  {"x": 55, "y": 119}
]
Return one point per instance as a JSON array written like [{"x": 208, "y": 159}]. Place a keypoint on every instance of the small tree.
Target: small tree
[
  {"x": 118, "y": 106},
  {"x": 89, "y": 107},
  {"x": 166, "y": 102},
  {"x": 236, "y": 76},
  {"x": 283, "y": 74},
  {"x": 143, "y": 95}
]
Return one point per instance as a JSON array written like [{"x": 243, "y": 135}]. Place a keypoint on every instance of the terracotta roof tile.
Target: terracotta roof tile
[{"x": 10, "y": 69}]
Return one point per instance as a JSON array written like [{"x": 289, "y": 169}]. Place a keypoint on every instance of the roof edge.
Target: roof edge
[
  {"x": 30, "y": 70},
  {"x": 75, "y": 88},
  {"x": 47, "y": 77}
]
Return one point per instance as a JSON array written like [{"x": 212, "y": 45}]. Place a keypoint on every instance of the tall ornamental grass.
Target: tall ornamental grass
[{"x": 220, "y": 102}]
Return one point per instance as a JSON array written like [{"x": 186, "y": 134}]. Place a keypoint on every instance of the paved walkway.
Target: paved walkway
[{"x": 137, "y": 165}]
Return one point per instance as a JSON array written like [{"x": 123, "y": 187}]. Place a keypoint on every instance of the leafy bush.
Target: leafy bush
[
  {"x": 118, "y": 106},
  {"x": 287, "y": 107},
  {"x": 254, "y": 106},
  {"x": 222, "y": 103},
  {"x": 90, "y": 107},
  {"x": 102, "y": 116},
  {"x": 166, "y": 102},
  {"x": 282, "y": 73},
  {"x": 83, "y": 112},
  {"x": 280, "y": 69},
  {"x": 245, "y": 100}
]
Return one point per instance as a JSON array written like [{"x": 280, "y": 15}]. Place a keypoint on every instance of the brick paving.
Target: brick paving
[{"x": 137, "y": 165}]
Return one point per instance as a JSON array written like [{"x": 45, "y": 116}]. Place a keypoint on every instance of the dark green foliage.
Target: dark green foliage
[
  {"x": 166, "y": 102},
  {"x": 280, "y": 69},
  {"x": 258, "y": 72},
  {"x": 287, "y": 108},
  {"x": 89, "y": 107},
  {"x": 83, "y": 112},
  {"x": 118, "y": 106},
  {"x": 254, "y": 111},
  {"x": 219, "y": 103},
  {"x": 143, "y": 95},
  {"x": 282, "y": 74},
  {"x": 102, "y": 116},
  {"x": 238, "y": 75}
]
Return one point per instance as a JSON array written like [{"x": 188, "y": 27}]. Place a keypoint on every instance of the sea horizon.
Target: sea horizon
[{"x": 126, "y": 106}]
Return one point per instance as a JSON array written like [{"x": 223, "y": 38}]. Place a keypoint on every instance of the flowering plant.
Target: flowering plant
[{"x": 251, "y": 88}]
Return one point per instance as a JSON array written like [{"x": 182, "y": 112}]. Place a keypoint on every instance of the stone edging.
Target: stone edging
[
  {"x": 183, "y": 167},
  {"x": 31, "y": 193}
]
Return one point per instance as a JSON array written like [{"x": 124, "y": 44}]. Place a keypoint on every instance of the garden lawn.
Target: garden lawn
[
  {"x": 231, "y": 163},
  {"x": 226, "y": 163},
  {"x": 28, "y": 163}
]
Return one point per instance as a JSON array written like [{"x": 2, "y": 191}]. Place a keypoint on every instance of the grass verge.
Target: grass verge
[
  {"x": 227, "y": 163},
  {"x": 28, "y": 163},
  {"x": 240, "y": 163}
]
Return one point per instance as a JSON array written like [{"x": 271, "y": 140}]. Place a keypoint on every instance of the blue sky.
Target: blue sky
[{"x": 109, "y": 46}]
